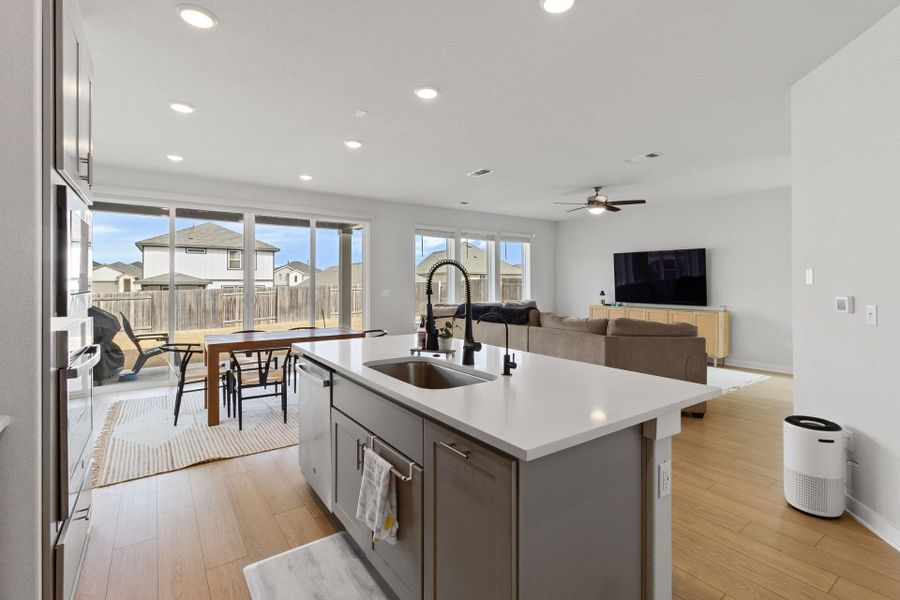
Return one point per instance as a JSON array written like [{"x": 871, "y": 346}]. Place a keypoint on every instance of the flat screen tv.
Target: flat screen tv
[{"x": 661, "y": 277}]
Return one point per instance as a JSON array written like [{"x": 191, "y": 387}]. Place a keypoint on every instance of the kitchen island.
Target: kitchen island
[{"x": 551, "y": 483}]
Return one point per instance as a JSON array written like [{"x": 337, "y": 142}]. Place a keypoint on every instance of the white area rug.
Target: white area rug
[
  {"x": 730, "y": 379},
  {"x": 138, "y": 438}
]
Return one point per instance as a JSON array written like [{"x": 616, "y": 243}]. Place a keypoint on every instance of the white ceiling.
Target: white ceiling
[{"x": 552, "y": 103}]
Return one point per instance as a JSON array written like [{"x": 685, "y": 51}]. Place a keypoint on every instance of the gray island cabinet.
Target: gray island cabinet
[{"x": 543, "y": 485}]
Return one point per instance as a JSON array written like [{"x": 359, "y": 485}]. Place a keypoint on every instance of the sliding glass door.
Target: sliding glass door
[
  {"x": 282, "y": 298},
  {"x": 131, "y": 316},
  {"x": 210, "y": 259},
  {"x": 339, "y": 293}
]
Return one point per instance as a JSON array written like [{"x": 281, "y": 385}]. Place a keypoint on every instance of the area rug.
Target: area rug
[
  {"x": 731, "y": 379},
  {"x": 138, "y": 438}
]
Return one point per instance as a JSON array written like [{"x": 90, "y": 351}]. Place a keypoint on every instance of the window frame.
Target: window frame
[{"x": 240, "y": 259}]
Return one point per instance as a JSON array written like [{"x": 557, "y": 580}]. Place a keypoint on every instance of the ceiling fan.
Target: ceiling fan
[{"x": 598, "y": 203}]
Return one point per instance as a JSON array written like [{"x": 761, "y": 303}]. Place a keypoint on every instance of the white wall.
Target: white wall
[
  {"x": 748, "y": 263},
  {"x": 212, "y": 266},
  {"x": 20, "y": 322},
  {"x": 846, "y": 206},
  {"x": 392, "y": 249}
]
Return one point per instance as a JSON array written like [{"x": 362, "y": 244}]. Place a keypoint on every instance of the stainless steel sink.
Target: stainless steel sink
[{"x": 427, "y": 373}]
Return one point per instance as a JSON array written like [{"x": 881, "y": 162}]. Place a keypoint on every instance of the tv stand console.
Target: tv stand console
[{"x": 713, "y": 325}]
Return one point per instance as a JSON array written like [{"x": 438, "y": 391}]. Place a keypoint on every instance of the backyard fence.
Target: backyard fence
[{"x": 214, "y": 308}]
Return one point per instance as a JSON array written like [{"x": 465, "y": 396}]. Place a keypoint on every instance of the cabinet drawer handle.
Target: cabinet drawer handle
[
  {"x": 452, "y": 448},
  {"x": 359, "y": 454}
]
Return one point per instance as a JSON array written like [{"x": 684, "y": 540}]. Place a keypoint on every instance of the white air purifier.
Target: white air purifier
[{"x": 814, "y": 463}]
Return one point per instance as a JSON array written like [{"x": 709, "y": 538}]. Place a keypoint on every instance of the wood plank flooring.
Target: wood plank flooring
[{"x": 189, "y": 534}]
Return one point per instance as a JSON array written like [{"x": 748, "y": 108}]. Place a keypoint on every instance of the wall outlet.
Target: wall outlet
[
  {"x": 385, "y": 293},
  {"x": 789, "y": 345},
  {"x": 665, "y": 478},
  {"x": 809, "y": 275},
  {"x": 871, "y": 314}
]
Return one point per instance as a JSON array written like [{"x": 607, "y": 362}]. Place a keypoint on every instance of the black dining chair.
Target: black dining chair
[
  {"x": 244, "y": 377},
  {"x": 180, "y": 363}
]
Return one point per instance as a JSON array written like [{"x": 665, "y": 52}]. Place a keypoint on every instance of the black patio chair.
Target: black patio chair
[{"x": 143, "y": 355}]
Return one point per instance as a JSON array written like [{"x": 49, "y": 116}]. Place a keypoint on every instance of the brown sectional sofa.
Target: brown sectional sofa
[{"x": 666, "y": 350}]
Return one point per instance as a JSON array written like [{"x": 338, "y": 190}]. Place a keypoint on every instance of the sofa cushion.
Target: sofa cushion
[
  {"x": 555, "y": 321},
  {"x": 638, "y": 328}
]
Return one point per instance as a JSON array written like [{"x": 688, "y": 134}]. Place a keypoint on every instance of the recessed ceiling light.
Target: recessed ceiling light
[
  {"x": 479, "y": 173},
  {"x": 427, "y": 92},
  {"x": 463, "y": 202},
  {"x": 306, "y": 177},
  {"x": 353, "y": 144},
  {"x": 182, "y": 107},
  {"x": 196, "y": 16},
  {"x": 556, "y": 6},
  {"x": 360, "y": 113},
  {"x": 174, "y": 157}
]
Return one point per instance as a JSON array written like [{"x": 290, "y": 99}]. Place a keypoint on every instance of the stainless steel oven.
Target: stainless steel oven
[{"x": 73, "y": 356}]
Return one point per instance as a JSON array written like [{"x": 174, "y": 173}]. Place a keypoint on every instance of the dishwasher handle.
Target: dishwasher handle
[
  {"x": 313, "y": 378},
  {"x": 86, "y": 361}
]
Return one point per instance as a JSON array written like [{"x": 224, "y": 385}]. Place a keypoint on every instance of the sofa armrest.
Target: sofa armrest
[{"x": 674, "y": 357}]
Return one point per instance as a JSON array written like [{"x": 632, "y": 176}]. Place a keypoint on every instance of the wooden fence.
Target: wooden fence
[
  {"x": 215, "y": 309},
  {"x": 509, "y": 288}
]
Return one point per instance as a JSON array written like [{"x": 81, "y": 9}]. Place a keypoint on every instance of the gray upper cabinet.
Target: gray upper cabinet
[
  {"x": 74, "y": 154},
  {"x": 470, "y": 517}
]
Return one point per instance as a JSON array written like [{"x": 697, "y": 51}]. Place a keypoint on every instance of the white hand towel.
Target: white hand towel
[{"x": 377, "y": 506}]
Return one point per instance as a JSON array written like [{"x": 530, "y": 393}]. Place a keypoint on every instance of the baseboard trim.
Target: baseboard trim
[
  {"x": 874, "y": 522},
  {"x": 748, "y": 364}
]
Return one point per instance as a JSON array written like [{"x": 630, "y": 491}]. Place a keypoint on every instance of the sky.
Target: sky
[{"x": 115, "y": 235}]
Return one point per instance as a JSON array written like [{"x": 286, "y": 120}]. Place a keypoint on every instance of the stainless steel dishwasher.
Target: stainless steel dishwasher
[{"x": 314, "y": 383}]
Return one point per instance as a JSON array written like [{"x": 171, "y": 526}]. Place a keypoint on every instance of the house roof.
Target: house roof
[
  {"x": 123, "y": 268},
  {"x": 205, "y": 235},
  {"x": 127, "y": 268},
  {"x": 180, "y": 279},
  {"x": 297, "y": 265},
  {"x": 474, "y": 259},
  {"x": 332, "y": 275}
]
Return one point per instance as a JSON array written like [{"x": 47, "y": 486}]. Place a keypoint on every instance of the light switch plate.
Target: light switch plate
[
  {"x": 871, "y": 314},
  {"x": 665, "y": 478},
  {"x": 809, "y": 275},
  {"x": 385, "y": 293}
]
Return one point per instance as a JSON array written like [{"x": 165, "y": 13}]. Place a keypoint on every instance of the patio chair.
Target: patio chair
[
  {"x": 143, "y": 355},
  {"x": 244, "y": 377}
]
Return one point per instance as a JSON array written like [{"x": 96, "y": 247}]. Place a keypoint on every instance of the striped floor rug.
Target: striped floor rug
[{"x": 138, "y": 438}]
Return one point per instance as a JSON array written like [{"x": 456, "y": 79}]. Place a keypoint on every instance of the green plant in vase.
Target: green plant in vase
[{"x": 445, "y": 335}]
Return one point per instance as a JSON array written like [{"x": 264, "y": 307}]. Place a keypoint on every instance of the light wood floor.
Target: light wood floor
[{"x": 188, "y": 534}]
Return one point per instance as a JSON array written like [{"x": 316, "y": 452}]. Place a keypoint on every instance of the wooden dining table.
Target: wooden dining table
[{"x": 215, "y": 345}]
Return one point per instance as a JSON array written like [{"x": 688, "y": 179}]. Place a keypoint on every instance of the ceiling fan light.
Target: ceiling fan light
[{"x": 597, "y": 210}]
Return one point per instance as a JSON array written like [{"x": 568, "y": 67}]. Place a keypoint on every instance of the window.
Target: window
[
  {"x": 126, "y": 284},
  {"x": 234, "y": 259},
  {"x": 432, "y": 246},
  {"x": 477, "y": 256},
  {"x": 339, "y": 274},
  {"x": 195, "y": 250},
  {"x": 515, "y": 269},
  {"x": 282, "y": 243}
]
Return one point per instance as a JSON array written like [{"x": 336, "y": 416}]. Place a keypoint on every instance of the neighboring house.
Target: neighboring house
[
  {"x": 474, "y": 259},
  {"x": 292, "y": 273},
  {"x": 117, "y": 277},
  {"x": 206, "y": 256}
]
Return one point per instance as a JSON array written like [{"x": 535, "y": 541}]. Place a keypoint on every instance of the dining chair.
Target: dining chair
[
  {"x": 245, "y": 377},
  {"x": 181, "y": 358}
]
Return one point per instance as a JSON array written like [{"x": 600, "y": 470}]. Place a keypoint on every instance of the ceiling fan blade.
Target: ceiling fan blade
[
  {"x": 572, "y": 203},
  {"x": 612, "y": 208},
  {"x": 574, "y": 209},
  {"x": 624, "y": 202}
]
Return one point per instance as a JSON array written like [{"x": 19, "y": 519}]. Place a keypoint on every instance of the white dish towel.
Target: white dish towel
[{"x": 377, "y": 506}]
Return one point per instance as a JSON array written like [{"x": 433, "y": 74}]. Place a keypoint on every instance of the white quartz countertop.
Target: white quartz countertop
[{"x": 547, "y": 405}]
